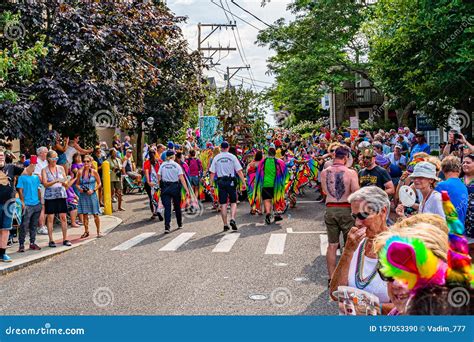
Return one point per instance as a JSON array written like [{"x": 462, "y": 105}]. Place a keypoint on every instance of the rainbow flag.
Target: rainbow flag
[{"x": 459, "y": 270}]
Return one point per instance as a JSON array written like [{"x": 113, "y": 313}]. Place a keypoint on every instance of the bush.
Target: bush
[{"x": 308, "y": 126}]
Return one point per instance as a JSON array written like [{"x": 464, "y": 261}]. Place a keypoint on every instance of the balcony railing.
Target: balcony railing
[{"x": 362, "y": 96}]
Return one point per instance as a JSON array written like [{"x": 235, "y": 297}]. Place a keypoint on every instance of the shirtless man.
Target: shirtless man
[{"x": 338, "y": 183}]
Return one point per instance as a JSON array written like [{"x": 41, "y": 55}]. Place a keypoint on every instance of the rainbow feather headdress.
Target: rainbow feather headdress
[{"x": 409, "y": 261}]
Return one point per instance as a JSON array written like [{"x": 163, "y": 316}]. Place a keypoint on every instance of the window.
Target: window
[{"x": 433, "y": 139}]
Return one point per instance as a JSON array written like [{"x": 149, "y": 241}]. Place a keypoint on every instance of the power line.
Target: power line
[
  {"x": 243, "y": 56},
  {"x": 245, "y": 21},
  {"x": 223, "y": 71},
  {"x": 253, "y": 15},
  {"x": 239, "y": 78}
]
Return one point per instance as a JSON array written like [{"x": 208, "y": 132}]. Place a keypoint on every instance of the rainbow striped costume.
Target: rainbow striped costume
[{"x": 281, "y": 179}]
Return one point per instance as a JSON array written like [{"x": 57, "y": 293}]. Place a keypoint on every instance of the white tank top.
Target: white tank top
[
  {"x": 377, "y": 286},
  {"x": 70, "y": 152}
]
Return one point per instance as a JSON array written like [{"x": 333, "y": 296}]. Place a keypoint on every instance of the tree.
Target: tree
[
  {"x": 104, "y": 65},
  {"x": 241, "y": 115},
  {"x": 320, "y": 49},
  {"x": 421, "y": 54}
]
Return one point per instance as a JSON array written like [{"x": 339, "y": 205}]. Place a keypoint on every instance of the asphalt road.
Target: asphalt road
[{"x": 204, "y": 275}]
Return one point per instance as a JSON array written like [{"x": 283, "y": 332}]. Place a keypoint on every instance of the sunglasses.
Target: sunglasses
[
  {"x": 87, "y": 161},
  {"x": 361, "y": 216},
  {"x": 368, "y": 158},
  {"x": 382, "y": 276},
  {"x": 54, "y": 159}
]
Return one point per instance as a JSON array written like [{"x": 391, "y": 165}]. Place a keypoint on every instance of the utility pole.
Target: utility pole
[
  {"x": 237, "y": 69},
  {"x": 212, "y": 51}
]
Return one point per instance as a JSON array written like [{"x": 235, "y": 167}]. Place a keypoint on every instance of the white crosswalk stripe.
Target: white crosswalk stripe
[
  {"x": 226, "y": 243},
  {"x": 133, "y": 241},
  {"x": 177, "y": 242},
  {"x": 323, "y": 239},
  {"x": 276, "y": 244}
]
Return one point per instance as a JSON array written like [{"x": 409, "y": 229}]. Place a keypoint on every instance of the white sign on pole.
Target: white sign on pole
[{"x": 354, "y": 122}]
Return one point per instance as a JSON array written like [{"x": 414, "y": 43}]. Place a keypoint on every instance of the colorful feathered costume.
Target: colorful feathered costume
[
  {"x": 251, "y": 175},
  {"x": 460, "y": 270},
  {"x": 409, "y": 261},
  {"x": 281, "y": 178}
]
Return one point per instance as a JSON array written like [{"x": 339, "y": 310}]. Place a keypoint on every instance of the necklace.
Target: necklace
[{"x": 360, "y": 281}]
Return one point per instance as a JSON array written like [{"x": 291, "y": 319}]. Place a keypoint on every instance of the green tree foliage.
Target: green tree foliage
[
  {"x": 321, "y": 48},
  {"x": 241, "y": 115},
  {"x": 18, "y": 70},
  {"x": 422, "y": 53},
  {"x": 107, "y": 61}
]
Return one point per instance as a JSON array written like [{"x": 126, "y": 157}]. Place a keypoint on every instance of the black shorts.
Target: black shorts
[
  {"x": 227, "y": 191},
  {"x": 55, "y": 206},
  {"x": 267, "y": 193}
]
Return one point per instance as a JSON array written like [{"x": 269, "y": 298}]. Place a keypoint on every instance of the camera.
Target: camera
[{"x": 85, "y": 188}]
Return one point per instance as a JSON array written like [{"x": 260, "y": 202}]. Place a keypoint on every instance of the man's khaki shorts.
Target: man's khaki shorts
[
  {"x": 337, "y": 220},
  {"x": 116, "y": 185}
]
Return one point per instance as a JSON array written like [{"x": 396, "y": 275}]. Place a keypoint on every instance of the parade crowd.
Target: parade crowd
[{"x": 402, "y": 217}]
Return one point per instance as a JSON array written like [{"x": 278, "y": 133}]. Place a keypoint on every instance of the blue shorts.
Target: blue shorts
[
  {"x": 6, "y": 217},
  {"x": 194, "y": 180}
]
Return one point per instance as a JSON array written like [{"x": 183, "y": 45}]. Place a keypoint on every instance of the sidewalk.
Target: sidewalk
[{"x": 20, "y": 260}]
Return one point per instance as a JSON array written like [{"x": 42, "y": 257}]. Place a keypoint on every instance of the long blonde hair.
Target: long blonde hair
[{"x": 431, "y": 231}]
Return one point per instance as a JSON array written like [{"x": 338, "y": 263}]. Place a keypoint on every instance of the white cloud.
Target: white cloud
[{"x": 203, "y": 11}]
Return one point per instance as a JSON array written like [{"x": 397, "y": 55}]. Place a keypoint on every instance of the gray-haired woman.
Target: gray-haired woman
[{"x": 358, "y": 264}]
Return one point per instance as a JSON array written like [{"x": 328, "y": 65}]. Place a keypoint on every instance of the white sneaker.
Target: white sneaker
[{"x": 43, "y": 230}]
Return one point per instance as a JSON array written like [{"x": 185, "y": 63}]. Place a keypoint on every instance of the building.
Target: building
[{"x": 359, "y": 100}]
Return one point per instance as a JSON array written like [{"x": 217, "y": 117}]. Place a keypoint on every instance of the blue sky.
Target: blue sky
[{"x": 205, "y": 11}]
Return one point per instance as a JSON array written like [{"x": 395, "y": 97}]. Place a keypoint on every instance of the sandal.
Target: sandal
[
  {"x": 85, "y": 235},
  {"x": 99, "y": 235}
]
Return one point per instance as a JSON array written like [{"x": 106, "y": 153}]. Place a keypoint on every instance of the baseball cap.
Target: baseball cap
[
  {"x": 381, "y": 160},
  {"x": 170, "y": 144},
  {"x": 419, "y": 134},
  {"x": 169, "y": 153},
  {"x": 225, "y": 144},
  {"x": 398, "y": 146}
]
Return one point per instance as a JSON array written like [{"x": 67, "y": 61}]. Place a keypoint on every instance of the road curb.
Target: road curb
[{"x": 16, "y": 265}]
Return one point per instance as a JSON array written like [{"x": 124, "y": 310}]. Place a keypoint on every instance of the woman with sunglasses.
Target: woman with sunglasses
[
  {"x": 358, "y": 264},
  {"x": 55, "y": 182},
  {"x": 88, "y": 182}
]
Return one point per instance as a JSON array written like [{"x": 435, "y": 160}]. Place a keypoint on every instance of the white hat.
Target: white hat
[
  {"x": 424, "y": 169},
  {"x": 363, "y": 145}
]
